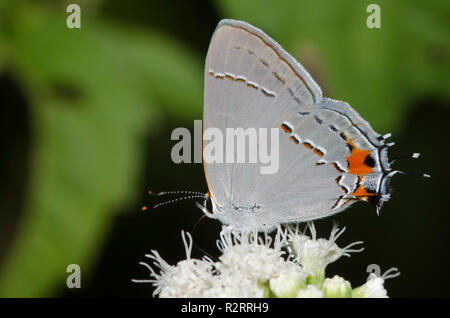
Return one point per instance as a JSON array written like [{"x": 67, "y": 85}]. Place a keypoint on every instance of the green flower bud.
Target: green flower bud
[{"x": 337, "y": 287}]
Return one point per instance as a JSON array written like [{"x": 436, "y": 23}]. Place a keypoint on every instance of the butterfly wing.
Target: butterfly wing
[
  {"x": 329, "y": 159},
  {"x": 251, "y": 82}
]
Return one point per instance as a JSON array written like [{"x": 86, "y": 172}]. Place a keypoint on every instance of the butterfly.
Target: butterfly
[{"x": 329, "y": 157}]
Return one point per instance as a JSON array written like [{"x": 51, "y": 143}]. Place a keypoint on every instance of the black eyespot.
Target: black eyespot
[{"x": 369, "y": 161}]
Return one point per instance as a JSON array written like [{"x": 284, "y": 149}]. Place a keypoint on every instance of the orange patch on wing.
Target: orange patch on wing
[
  {"x": 294, "y": 139},
  {"x": 308, "y": 145},
  {"x": 318, "y": 152},
  {"x": 361, "y": 192},
  {"x": 286, "y": 128},
  {"x": 356, "y": 160}
]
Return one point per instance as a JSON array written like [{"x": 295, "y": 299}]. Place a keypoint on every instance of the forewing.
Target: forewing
[{"x": 249, "y": 81}]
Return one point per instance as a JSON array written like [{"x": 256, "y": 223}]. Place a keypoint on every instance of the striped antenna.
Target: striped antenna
[
  {"x": 192, "y": 195},
  {"x": 177, "y": 199},
  {"x": 174, "y": 192}
]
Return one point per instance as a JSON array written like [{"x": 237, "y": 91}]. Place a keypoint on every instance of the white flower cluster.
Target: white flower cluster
[{"x": 292, "y": 264}]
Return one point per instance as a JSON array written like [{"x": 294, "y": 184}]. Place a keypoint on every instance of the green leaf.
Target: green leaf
[{"x": 94, "y": 93}]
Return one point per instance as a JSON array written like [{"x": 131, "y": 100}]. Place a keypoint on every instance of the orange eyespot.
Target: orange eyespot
[
  {"x": 361, "y": 192},
  {"x": 357, "y": 163}
]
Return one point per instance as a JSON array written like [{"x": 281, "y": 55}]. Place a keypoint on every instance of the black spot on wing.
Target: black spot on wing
[
  {"x": 369, "y": 161},
  {"x": 333, "y": 128}
]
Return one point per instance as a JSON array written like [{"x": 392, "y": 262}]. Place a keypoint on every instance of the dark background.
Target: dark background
[{"x": 62, "y": 203}]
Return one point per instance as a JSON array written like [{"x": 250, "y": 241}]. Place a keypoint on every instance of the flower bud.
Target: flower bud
[
  {"x": 336, "y": 287},
  {"x": 373, "y": 288}
]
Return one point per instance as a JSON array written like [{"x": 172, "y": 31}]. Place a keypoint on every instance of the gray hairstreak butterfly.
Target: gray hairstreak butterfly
[{"x": 329, "y": 156}]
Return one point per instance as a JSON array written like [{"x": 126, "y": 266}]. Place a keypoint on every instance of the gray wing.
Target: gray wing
[
  {"x": 251, "y": 82},
  {"x": 323, "y": 163}
]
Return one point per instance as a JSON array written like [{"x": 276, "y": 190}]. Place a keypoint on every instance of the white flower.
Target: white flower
[
  {"x": 255, "y": 265},
  {"x": 247, "y": 263},
  {"x": 249, "y": 255},
  {"x": 336, "y": 287},
  {"x": 290, "y": 279},
  {"x": 374, "y": 287},
  {"x": 315, "y": 254},
  {"x": 311, "y": 291},
  {"x": 189, "y": 278},
  {"x": 231, "y": 285}
]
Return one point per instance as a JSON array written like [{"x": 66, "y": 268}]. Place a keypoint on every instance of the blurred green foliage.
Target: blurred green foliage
[
  {"x": 93, "y": 96},
  {"x": 94, "y": 93}
]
